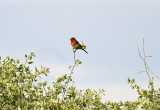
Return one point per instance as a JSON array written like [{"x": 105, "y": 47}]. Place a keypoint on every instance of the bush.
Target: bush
[{"x": 20, "y": 89}]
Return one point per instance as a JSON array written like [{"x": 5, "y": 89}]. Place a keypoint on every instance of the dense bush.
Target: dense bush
[{"x": 20, "y": 89}]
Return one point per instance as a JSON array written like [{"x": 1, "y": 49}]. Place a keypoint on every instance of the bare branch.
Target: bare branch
[
  {"x": 140, "y": 53},
  {"x": 144, "y": 60},
  {"x": 148, "y": 56},
  {"x": 141, "y": 71},
  {"x": 147, "y": 69},
  {"x": 74, "y": 56},
  {"x": 153, "y": 73}
]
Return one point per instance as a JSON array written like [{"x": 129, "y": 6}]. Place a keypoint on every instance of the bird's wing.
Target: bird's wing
[{"x": 77, "y": 42}]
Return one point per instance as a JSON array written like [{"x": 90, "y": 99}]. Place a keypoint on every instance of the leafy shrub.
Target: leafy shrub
[{"x": 20, "y": 89}]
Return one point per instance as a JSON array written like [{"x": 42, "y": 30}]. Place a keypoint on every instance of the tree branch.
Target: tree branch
[
  {"x": 147, "y": 69},
  {"x": 144, "y": 60}
]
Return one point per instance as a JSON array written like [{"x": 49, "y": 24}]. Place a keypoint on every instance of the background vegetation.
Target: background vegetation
[{"x": 20, "y": 89}]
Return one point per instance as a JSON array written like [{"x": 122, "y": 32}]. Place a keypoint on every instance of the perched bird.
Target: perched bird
[{"x": 76, "y": 44}]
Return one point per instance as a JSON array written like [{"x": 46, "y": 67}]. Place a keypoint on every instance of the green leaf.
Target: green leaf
[
  {"x": 25, "y": 55},
  {"x": 30, "y": 62},
  {"x": 129, "y": 80}
]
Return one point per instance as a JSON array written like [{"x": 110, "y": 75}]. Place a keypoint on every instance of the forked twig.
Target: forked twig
[
  {"x": 147, "y": 69},
  {"x": 144, "y": 60}
]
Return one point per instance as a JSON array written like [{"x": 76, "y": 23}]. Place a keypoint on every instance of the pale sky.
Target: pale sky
[{"x": 111, "y": 30}]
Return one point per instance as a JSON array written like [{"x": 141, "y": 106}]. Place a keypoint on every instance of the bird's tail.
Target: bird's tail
[{"x": 85, "y": 51}]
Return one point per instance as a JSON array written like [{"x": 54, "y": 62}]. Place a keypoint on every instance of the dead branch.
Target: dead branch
[
  {"x": 147, "y": 69},
  {"x": 144, "y": 60}
]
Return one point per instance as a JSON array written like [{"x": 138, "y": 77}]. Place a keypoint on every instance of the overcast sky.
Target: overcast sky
[{"x": 111, "y": 30}]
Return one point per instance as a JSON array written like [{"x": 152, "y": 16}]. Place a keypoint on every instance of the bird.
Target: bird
[{"x": 76, "y": 44}]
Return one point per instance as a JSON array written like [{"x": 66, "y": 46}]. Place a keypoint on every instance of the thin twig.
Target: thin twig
[
  {"x": 74, "y": 56},
  {"x": 140, "y": 54},
  {"x": 148, "y": 56},
  {"x": 68, "y": 79},
  {"x": 145, "y": 63},
  {"x": 147, "y": 69},
  {"x": 153, "y": 73},
  {"x": 141, "y": 71}
]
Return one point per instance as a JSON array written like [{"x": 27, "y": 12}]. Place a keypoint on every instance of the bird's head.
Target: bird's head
[{"x": 72, "y": 38}]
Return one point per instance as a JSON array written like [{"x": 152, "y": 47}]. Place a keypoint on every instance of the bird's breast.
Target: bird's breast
[{"x": 72, "y": 43}]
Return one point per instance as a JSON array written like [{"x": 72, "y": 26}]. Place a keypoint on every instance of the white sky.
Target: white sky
[{"x": 111, "y": 29}]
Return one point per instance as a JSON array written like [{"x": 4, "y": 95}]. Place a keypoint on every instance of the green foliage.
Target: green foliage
[
  {"x": 148, "y": 99},
  {"x": 20, "y": 89}
]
